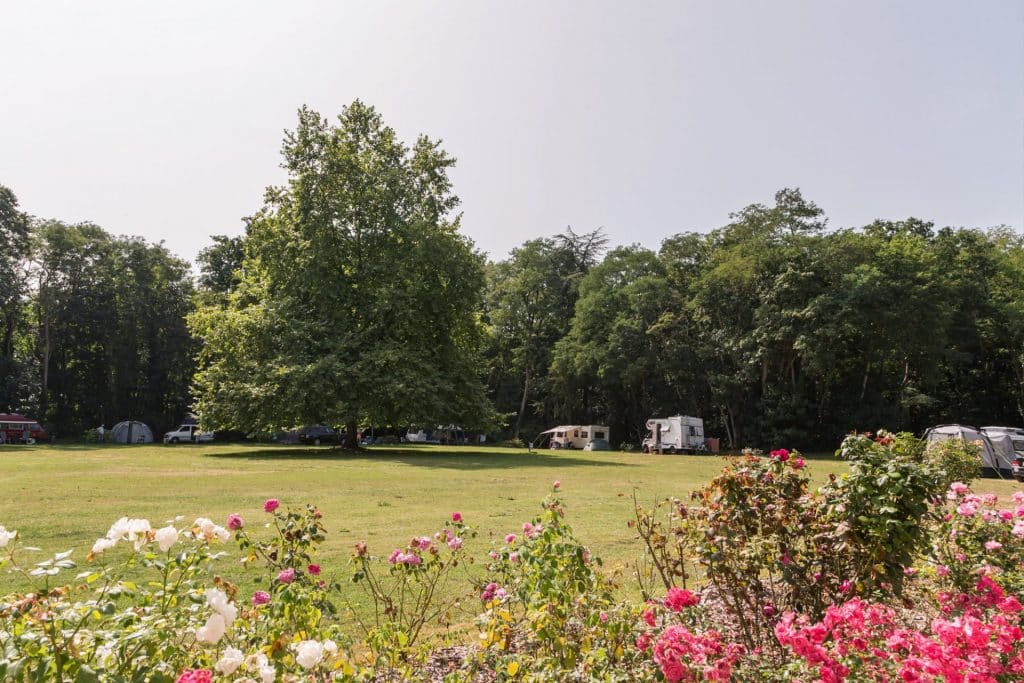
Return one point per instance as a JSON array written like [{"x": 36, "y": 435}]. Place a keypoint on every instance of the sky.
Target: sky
[{"x": 643, "y": 118}]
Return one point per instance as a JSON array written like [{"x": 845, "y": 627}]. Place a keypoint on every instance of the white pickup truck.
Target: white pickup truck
[{"x": 188, "y": 434}]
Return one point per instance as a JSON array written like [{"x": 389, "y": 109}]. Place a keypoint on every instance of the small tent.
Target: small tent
[
  {"x": 131, "y": 431},
  {"x": 996, "y": 451}
]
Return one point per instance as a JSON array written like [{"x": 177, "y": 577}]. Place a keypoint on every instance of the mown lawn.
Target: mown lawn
[{"x": 64, "y": 497}]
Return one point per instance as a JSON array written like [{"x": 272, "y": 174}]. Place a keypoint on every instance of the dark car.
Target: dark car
[{"x": 318, "y": 434}]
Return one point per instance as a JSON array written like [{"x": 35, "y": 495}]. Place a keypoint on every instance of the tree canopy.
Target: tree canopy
[{"x": 358, "y": 297}]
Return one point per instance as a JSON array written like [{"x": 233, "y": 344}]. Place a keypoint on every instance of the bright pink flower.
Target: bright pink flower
[
  {"x": 286, "y": 575},
  {"x": 393, "y": 557},
  {"x": 678, "y": 599},
  {"x": 513, "y": 557},
  {"x": 271, "y": 504},
  {"x": 557, "y": 485},
  {"x": 648, "y": 616},
  {"x": 942, "y": 570},
  {"x": 456, "y": 517},
  {"x": 511, "y": 538},
  {"x": 260, "y": 598},
  {"x": 313, "y": 569},
  {"x": 410, "y": 559},
  {"x": 603, "y": 616},
  {"x": 235, "y": 522},
  {"x": 993, "y": 545},
  {"x": 195, "y": 676},
  {"x": 797, "y": 463},
  {"x": 455, "y": 543},
  {"x": 781, "y": 454},
  {"x": 846, "y": 586}
]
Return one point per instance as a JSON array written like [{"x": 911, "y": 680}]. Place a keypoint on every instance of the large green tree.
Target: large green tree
[
  {"x": 14, "y": 236},
  {"x": 359, "y": 299}
]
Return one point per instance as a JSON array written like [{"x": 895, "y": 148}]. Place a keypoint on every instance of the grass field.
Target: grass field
[{"x": 65, "y": 497}]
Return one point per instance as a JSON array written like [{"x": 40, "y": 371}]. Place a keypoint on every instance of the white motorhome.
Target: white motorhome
[
  {"x": 576, "y": 436},
  {"x": 677, "y": 434}
]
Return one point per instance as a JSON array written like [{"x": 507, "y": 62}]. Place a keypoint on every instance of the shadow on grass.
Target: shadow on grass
[{"x": 462, "y": 459}]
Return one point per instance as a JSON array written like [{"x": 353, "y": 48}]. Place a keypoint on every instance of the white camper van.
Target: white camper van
[
  {"x": 678, "y": 434},
  {"x": 576, "y": 436}
]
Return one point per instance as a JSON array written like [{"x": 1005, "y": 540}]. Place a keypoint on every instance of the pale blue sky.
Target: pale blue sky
[{"x": 647, "y": 118}]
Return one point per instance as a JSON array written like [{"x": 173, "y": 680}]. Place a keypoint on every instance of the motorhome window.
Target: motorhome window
[
  {"x": 693, "y": 431},
  {"x": 35, "y": 426},
  {"x": 598, "y": 435},
  {"x": 559, "y": 434},
  {"x": 583, "y": 434},
  {"x": 575, "y": 433},
  {"x": 1018, "y": 445}
]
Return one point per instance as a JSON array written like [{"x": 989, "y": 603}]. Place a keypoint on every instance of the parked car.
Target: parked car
[
  {"x": 314, "y": 435},
  {"x": 598, "y": 445},
  {"x": 188, "y": 433}
]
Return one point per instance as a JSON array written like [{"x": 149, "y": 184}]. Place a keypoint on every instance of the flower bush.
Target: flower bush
[{"x": 882, "y": 574}]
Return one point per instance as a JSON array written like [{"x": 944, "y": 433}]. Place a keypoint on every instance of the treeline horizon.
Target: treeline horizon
[{"x": 773, "y": 328}]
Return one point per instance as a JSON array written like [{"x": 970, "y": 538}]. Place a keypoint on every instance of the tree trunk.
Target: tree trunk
[
  {"x": 522, "y": 404},
  {"x": 351, "y": 441}
]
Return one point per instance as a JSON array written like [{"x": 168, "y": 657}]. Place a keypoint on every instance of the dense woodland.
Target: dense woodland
[{"x": 775, "y": 328}]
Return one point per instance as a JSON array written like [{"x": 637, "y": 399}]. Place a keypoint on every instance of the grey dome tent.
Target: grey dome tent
[
  {"x": 131, "y": 431},
  {"x": 996, "y": 451}
]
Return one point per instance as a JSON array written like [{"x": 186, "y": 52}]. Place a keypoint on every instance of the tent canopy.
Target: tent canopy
[
  {"x": 131, "y": 431},
  {"x": 996, "y": 451}
]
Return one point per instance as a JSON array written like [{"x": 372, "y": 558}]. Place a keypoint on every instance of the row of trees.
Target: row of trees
[
  {"x": 353, "y": 299},
  {"x": 772, "y": 328},
  {"x": 93, "y": 325}
]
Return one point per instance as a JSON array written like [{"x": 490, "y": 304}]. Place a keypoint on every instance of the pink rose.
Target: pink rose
[
  {"x": 513, "y": 557},
  {"x": 286, "y": 575},
  {"x": 781, "y": 454},
  {"x": 511, "y": 538},
  {"x": 235, "y": 522},
  {"x": 648, "y": 616},
  {"x": 313, "y": 569},
  {"x": 603, "y": 616},
  {"x": 679, "y": 598},
  {"x": 993, "y": 545},
  {"x": 271, "y": 504},
  {"x": 260, "y": 598},
  {"x": 455, "y": 543},
  {"x": 557, "y": 485},
  {"x": 456, "y": 517},
  {"x": 797, "y": 464}
]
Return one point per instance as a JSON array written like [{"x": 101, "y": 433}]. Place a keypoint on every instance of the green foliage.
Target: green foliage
[
  {"x": 358, "y": 296},
  {"x": 880, "y": 512},
  {"x": 954, "y": 460}
]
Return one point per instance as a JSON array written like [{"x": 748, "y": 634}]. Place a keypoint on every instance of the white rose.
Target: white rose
[
  {"x": 309, "y": 653},
  {"x": 229, "y": 661},
  {"x": 213, "y": 631},
  {"x": 218, "y": 600},
  {"x": 6, "y": 536},
  {"x": 331, "y": 648},
  {"x": 166, "y": 537},
  {"x": 102, "y": 545},
  {"x": 221, "y": 533},
  {"x": 256, "y": 661},
  {"x": 268, "y": 674},
  {"x": 118, "y": 530}
]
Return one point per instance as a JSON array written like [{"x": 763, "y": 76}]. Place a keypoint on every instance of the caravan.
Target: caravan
[
  {"x": 678, "y": 434},
  {"x": 576, "y": 436}
]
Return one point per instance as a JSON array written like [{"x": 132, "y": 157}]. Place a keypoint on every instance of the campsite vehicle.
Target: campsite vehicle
[
  {"x": 13, "y": 427},
  {"x": 575, "y": 436},
  {"x": 598, "y": 445},
  {"x": 1017, "y": 439},
  {"x": 314, "y": 435},
  {"x": 448, "y": 434},
  {"x": 997, "y": 454},
  {"x": 677, "y": 434},
  {"x": 188, "y": 433}
]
